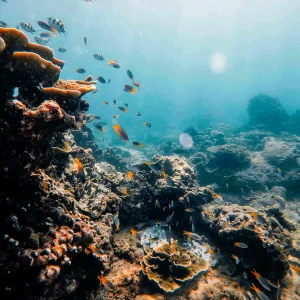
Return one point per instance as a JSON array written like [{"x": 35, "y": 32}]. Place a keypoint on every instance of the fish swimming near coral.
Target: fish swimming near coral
[
  {"x": 27, "y": 27},
  {"x": 147, "y": 124},
  {"x": 107, "y": 284},
  {"x": 62, "y": 49},
  {"x": 114, "y": 64},
  {"x": 259, "y": 218},
  {"x": 241, "y": 245},
  {"x": 117, "y": 223},
  {"x": 101, "y": 79},
  {"x": 138, "y": 144},
  {"x": 46, "y": 35},
  {"x": 99, "y": 126},
  {"x": 121, "y": 133},
  {"x": 46, "y": 26},
  {"x": 261, "y": 295},
  {"x": 130, "y": 175},
  {"x": 157, "y": 204},
  {"x": 261, "y": 280},
  {"x": 80, "y": 70},
  {"x": 135, "y": 234},
  {"x": 79, "y": 165},
  {"x": 3, "y": 24},
  {"x": 169, "y": 218},
  {"x": 237, "y": 260},
  {"x": 41, "y": 41},
  {"x": 189, "y": 210},
  {"x": 137, "y": 84},
  {"x": 130, "y": 75},
  {"x": 129, "y": 89},
  {"x": 124, "y": 109},
  {"x": 99, "y": 57},
  {"x": 57, "y": 24},
  {"x": 192, "y": 235}
]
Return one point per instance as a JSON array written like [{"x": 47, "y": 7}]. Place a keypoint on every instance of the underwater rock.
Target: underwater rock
[
  {"x": 265, "y": 238},
  {"x": 170, "y": 266},
  {"x": 265, "y": 110}
]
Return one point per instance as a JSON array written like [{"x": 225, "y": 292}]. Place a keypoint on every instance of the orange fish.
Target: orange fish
[
  {"x": 259, "y": 293},
  {"x": 135, "y": 234},
  {"x": 114, "y": 64},
  {"x": 129, "y": 89},
  {"x": 79, "y": 165},
  {"x": 130, "y": 175},
  {"x": 120, "y": 132},
  {"x": 261, "y": 280},
  {"x": 108, "y": 284}
]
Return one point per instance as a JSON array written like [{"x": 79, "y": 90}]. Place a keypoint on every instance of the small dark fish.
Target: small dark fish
[
  {"x": 129, "y": 89},
  {"x": 3, "y": 24},
  {"x": 27, "y": 27},
  {"x": 99, "y": 57},
  {"x": 41, "y": 41},
  {"x": 101, "y": 79},
  {"x": 169, "y": 218},
  {"x": 114, "y": 64},
  {"x": 130, "y": 75},
  {"x": 57, "y": 25},
  {"x": 147, "y": 124},
  {"x": 95, "y": 91},
  {"x": 85, "y": 41},
  {"x": 62, "y": 49},
  {"x": 138, "y": 114},
  {"x": 115, "y": 102},
  {"x": 80, "y": 70},
  {"x": 120, "y": 132},
  {"x": 99, "y": 127},
  {"x": 138, "y": 144},
  {"x": 124, "y": 109},
  {"x": 126, "y": 104},
  {"x": 46, "y": 26},
  {"x": 105, "y": 102},
  {"x": 108, "y": 81}
]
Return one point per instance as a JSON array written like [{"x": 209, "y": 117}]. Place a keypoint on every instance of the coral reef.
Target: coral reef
[
  {"x": 265, "y": 110},
  {"x": 170, "y": 266}
]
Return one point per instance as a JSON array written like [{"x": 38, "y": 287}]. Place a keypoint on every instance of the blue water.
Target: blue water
[{"x": 168, "y": 45}]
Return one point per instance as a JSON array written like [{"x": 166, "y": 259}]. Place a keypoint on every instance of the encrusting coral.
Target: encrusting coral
[{"x": 170, "y": 266}]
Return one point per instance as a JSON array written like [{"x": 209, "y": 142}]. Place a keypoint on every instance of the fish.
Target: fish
[
  {"x": 41, "y": 41},
  {"x": 46, "y": 35},
  {"x": 62, "y": 49},
  {"x": 114, "y": 64},
  {"x": 130, "y": 75},
  {"x": 99, "y": 57},
  {"x": 115, "y": 102},
  {"x": 27, "y": 27},
  {"x": 280, "y": 172},
  {"x": 99, "y": 127},
  {"x": 164, "y": 174},
  {"x": 57, "y": 24},
  {"x": 137, "y": 84},
  {"x": 107, "y": 284},
  {"x": 117, "y": 223},
  {"x": 147, "y": 124},
  {"x": 121, "y": 189},
  {"x": 237, "y": 260},
  {"x": 153, "y": 239},
  {"x": 157, "y": 204},
  {"x": 124, "y": 109},
  {"x": 259, "y": 218},
  {"x": 120, "y": 132},
  {"x": 116, "y": 116},
  {"x": 138, "y": 144},
  {"x": 3, "y": 24},
  {"x": 79, "y": 165},
  {"x": 126, "y": 104},
  {"x": 138, "y": 114},
  {"x": 192, "y": 235},
  {"x": 80, "y": 70},
  {"x": 245, "y": 275},
  {"x": 190, "y": 210},
  {"x": 135, "y": 234},
  {"x": 211, "y": 251},
  {"x": 130, "y": 175},
  {"x": 105, "y": 102},
  {"x": 240, "y": 245},
  {"x": 259, "y": 293},
  {"x": 169, "y": 218},
  {"x": 108, "y": 81},
  {"x": 129, "y": 89},
  {"x": 278, "y": 293},
  {"x": 85, "y": 40},
  {"x": 101, "y": 79},
  {"x": 295, "y": 268},
  {"x": 261, "y": 280},
  {"x": 171, "y": 204},
  {"x": 193, "y": 227},
  {"x": 46, "y": 26}
]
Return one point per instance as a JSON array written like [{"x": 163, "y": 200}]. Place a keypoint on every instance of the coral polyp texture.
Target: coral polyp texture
[{"x": 170, "y": 266}]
